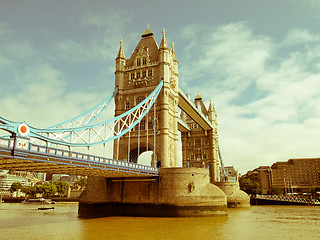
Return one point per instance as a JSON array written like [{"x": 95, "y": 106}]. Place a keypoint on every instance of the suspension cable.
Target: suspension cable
[
  {"x": 147, "y": 132},
  {"x": 129, "y": 146},
  {"x": 118, "y": 141},
  {"x": 129, "y": 141},
  {"x": 154, "y": 135},
  {"x": 138, "y": 141}
]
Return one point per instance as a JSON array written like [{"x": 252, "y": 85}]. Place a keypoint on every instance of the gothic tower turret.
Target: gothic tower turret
[{"x": 136, "y": 78}]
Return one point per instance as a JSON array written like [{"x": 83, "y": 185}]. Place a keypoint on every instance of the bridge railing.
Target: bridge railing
[{"x": 22, "y": 147}]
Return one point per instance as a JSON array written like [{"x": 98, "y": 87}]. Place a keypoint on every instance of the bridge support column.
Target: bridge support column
[
  {"x": 235, "y": 196},
  {"x": 177, "y": 192}
]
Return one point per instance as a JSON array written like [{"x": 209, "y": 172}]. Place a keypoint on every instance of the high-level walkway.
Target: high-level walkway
[{"x": 197, "y": 116}]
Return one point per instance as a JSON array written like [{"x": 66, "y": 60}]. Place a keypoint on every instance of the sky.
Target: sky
[{"x": 258, "y": 61}]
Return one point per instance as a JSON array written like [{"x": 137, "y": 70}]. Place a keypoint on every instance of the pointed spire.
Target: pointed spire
[
  {"x": 211, "y": 107},
  {"x": 121, "y": 52},
  {"x": 212, "y": 112},
  {"x": 164, "y": 44}
]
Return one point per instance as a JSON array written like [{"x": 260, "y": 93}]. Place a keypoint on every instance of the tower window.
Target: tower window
[
  {"x": 143, "y": 74},
  {"x": 138, "y": 61},
  {"x": 143, "y": 125},
  {"x": 139, "y": 99},
  {"x": 150, "y": 73},
  {"x": 197, "y": 142},
  {"x": 144, "y": 61},
  {"x": 138, "y": 74},
  {"x": 127, "y": 105}
]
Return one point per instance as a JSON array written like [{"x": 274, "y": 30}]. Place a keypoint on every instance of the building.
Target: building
[
  {"x": 6, "y": 181},
  {"x": 296, "y": 175},
  {"x": 262, "y": 175},
  {"x": 232, "y": 175},
  {"x": 293, "y": 176},
  {"x": 136, "y": 77}
]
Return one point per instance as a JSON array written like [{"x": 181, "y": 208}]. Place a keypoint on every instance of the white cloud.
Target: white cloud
[
  {"x": 266, "y": 93},
  {"x": 41, "y": 98}
]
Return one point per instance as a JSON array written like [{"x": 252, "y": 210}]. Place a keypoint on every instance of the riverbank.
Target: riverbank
[{"x": 56, "y": 199}]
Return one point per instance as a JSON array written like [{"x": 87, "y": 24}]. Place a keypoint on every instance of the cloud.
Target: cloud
[{"x": 266, "y": 93}]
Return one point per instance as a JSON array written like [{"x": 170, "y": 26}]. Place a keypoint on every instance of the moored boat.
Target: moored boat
[
  {"x": 39, "y": 201},
  {"x": 46, "y": 208}
]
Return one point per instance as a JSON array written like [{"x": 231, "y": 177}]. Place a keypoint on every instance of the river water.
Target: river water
[{"x": 24, "y": 222}]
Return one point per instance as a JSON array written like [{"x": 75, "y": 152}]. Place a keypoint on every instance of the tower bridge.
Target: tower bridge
[{"x": 147, "y": 98}]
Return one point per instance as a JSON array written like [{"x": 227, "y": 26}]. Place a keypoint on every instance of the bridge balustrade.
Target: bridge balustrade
[{"x": 23, "y": 146}]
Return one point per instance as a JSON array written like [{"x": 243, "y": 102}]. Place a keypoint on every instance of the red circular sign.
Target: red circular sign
[{"x": 23, "y": 129}]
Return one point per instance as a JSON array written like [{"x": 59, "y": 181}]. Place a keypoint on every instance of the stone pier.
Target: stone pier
[
  {"x": 177, "y": 192},
  {"x": 235, "y": 196}
]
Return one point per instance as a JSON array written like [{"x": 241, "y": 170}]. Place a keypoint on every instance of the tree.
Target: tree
[
  {"x": 30, "y": 190},
  {"x": 62, "y": 187},
  {"x": 48, "y": 189},
  {"x": 249, "y": 187},
  {"x": 15, "y": 186}
]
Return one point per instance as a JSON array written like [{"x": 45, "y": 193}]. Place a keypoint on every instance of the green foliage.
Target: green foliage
[
  {"x": 15, "y": 186},
  {"x": 62, "y": 186},
  {"x": 48, "y": 189},
  {"x": 249, "y": 187},
  {"x": 30, "y": 190}
]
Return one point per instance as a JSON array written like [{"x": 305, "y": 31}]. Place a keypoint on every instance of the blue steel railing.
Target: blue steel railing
[{"x": 21, "y": 148}]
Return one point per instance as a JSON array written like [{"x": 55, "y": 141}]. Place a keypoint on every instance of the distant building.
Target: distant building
[
  {"x": 231, "y": 174},
  {"x": 6, "y": 181},
  {"x": 296, "y": 175},
  {"x": 262, "y": 175},
  {"x": 293, "y": 176}
]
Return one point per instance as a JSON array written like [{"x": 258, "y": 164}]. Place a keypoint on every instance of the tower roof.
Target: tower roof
[{"x": 146, "y": 43}]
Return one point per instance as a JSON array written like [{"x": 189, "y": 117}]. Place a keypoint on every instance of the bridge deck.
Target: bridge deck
[{"x": 17, "y": 155}]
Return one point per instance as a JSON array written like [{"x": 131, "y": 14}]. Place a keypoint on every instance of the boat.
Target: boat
[
  {"x": 39, "y": 201},
  {"x": 46, "y": 208}
]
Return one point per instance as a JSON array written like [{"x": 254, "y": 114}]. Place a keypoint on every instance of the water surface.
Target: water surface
[{"x": 24, "y": 221}]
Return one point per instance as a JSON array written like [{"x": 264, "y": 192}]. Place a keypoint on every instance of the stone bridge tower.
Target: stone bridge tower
[
  {"x": 199, "y": 147},
  {"x": 136, "y": 77}
]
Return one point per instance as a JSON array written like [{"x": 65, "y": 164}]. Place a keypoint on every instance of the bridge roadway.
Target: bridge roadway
[
  {"x": 18, "y": 154},
  {"x": 189, "y": 108}
]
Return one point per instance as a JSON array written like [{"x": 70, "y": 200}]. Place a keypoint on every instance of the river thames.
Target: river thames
[{"x": 24, "y": 222}]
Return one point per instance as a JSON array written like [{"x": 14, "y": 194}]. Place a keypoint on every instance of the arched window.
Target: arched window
[
  {"x": 138, "y": 61},
  {"x": 144, "y": 61},
  {"x": 197, "y": 142}
]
